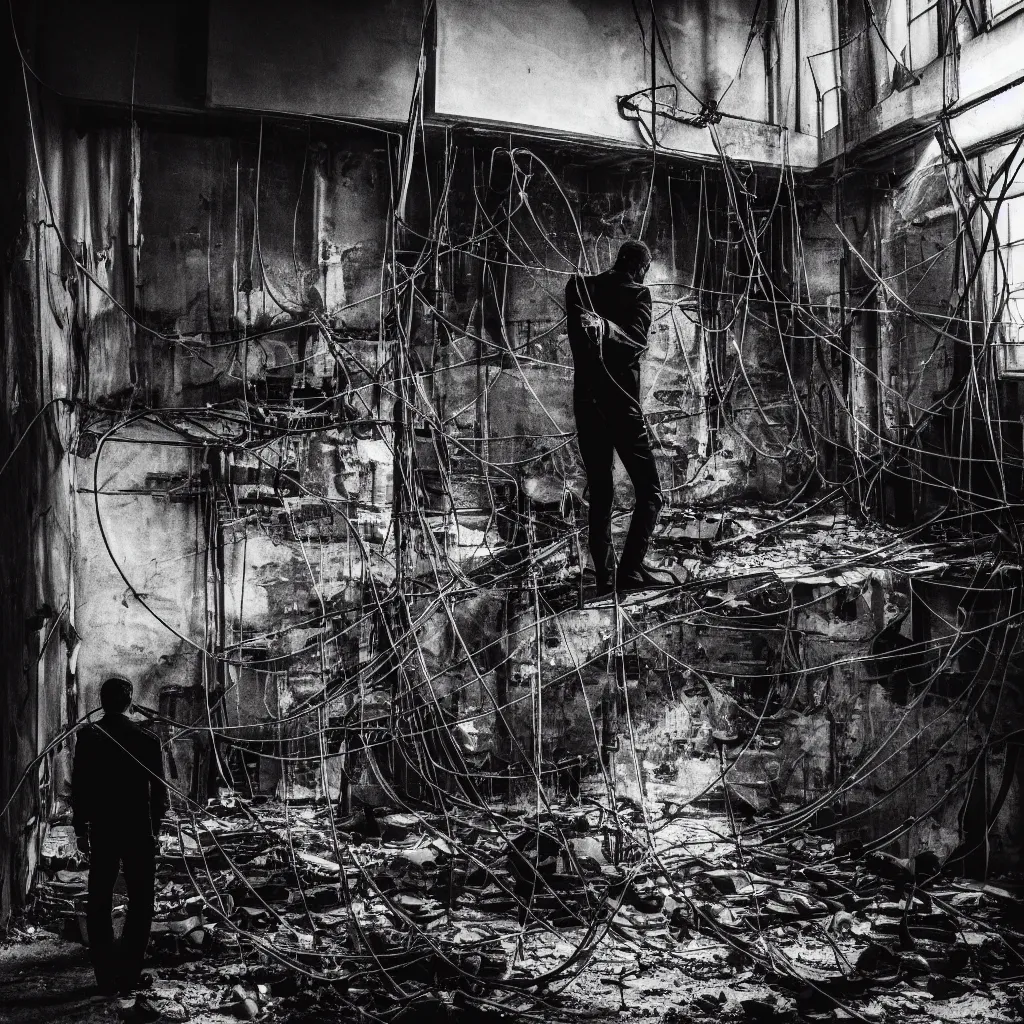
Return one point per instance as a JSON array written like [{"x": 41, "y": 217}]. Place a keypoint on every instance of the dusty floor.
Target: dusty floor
[
  {"x": 710, "y": 927},
  {"x": 49, "y": 979}
]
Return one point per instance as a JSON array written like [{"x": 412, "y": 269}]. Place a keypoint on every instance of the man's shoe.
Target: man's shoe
[
  {"x": 642, "y": 578},
  {"x": 139, "y": 984}
]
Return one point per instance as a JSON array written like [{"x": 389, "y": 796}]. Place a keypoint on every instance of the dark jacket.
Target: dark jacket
[
  {"x": 608, "y": 366},
  {"x": 118, "y": 777}
]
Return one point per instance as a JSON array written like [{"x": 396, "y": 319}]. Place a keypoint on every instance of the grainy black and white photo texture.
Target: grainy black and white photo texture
[{"x": 511, "y": 510}]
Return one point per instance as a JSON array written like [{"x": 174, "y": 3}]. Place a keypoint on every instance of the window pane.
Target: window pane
[
  {"x": 1014, "y": 257},
  {"x": 1008, "y": 268},
  {"x": 924, "y": 39},
  {"x": 1013, "y": 350},
  {"x": 1011, "y": 240},
  {"x": 829, "y": 110},
  {"x": 997, "y": 7},
  {"x": 1003, "y": 223},
  {"x": 1014, "y": 230}
]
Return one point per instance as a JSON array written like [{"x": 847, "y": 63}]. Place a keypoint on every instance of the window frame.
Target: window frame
[
  {"x": 993, "y": 18},
  {"x": 934, "y": 7},
  {"x": 1008, "y": 261}
]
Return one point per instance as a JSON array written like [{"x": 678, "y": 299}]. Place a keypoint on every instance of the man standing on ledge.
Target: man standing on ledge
[
  {"x": 118, "y": 797},
  {"x": 609, "y": 316}
]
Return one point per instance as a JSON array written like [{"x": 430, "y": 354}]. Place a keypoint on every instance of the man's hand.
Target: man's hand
[
  {"x": 597, "y": 327},
  {"x": 593, "y": 325},
  {"x": 83, "y": 844}
]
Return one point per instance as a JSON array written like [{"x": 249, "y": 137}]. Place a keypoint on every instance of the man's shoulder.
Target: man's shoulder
[
  {"x": 588, "y": 285},
  {"x": 579, "y": 277},
  {"x": 616, "y": 280},
  {"x": 138, "y": 732},
  {"x": 639, "y": 294},
  {"x": 634, "y": 287},
  {"x": 145, "y": 734},
  {"x": 88, "y": 733},
  {"x": 143, "y": 744}
]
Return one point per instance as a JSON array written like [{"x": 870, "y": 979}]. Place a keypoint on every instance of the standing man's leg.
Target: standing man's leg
[
  {"x": 633, "y": 443},
  {"x": 104, "y": 862},
  {"x": 139, "y": 870},
  {"x": 595, "y": 443}
]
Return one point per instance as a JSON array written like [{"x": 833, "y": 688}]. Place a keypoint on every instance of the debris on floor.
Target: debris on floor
[{"x": 273, "y": 911}]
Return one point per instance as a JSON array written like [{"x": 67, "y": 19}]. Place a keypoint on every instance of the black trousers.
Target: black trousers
[
  {"x": 603, "y": 429},
  {"x": 110, "y": 849}
]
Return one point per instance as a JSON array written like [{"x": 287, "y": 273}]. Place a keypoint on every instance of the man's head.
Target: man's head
[
  {"x": 634, "y": 259},
  {"x": 116, "y": 695}
]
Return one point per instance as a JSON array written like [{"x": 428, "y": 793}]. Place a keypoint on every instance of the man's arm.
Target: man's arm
[
  {"x": 638, "y": 325},
  {"x": 81, "y": 784},
  {"x": 157, "y": 786},
  {"x": 582, "y": 323},
  {"x": 572, "y": 307},
  {"x": 632, "y": 332}
]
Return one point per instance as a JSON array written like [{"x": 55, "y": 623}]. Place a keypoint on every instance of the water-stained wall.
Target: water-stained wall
[
  {"x": 222, "y": 514},
  {"x": 204, "y": 262}
]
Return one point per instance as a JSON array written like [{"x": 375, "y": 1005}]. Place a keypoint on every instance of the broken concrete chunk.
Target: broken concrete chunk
[
  {"x": 885, "y": 865},
  {"x": 420, "y": 855},
  {"x": 585, "y": 846},
  {"x": 732, "y": 882},
  {"x": 179, "y": 927},
  {"x": 395, "y": 827}
]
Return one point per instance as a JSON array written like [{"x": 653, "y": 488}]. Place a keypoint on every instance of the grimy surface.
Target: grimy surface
[
  {"x": 661, "y": 914},
  {"x": 287, "y": 439}
]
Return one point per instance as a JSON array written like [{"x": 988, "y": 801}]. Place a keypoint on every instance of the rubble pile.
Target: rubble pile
[{"x": 287, "y": 911}]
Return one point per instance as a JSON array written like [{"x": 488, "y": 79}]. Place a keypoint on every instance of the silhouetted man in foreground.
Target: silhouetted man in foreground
[
  {"x": 118, "y": 798},
  {"x": 609, "y": 316}
]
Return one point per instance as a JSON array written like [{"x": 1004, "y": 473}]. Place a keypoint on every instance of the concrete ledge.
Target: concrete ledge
[{"x": 991, "y": 62}]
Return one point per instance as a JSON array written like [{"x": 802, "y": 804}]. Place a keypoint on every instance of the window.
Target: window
[
  {"x": 924, "y": 31},
  {"x": 914, "y": 30},
  {"x": 1009, "y": 273},
  {"x": 997, "y": 9}
]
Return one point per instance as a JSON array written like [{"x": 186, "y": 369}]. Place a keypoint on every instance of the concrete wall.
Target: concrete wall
[
  {"x": 39, "y": 366},
  {"x": 210, "y": 251},
  {"x": 977, "y": 86},
  {"x": 332, "y": 59},
  {"x": 562, "y": 65},
  {"x": 293, "y": 586},
  {"x": 195, "y": 245},
  {"x": 923, "y": 380},
  {"x": 152, "y": 54}
]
